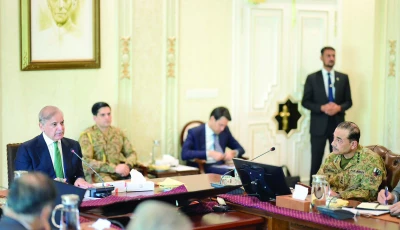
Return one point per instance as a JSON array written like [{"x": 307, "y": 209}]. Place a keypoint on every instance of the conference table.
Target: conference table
[{"x": 243, "y": 217}]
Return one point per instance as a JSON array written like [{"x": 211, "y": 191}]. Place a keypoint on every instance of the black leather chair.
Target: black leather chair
[{"x": 11, "y": 154}]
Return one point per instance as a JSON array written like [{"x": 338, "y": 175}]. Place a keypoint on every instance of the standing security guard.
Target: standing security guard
[{"x": 353, "y": 172}]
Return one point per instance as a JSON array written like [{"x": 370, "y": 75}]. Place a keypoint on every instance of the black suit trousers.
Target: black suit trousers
[{"x": 318, "y": 146}]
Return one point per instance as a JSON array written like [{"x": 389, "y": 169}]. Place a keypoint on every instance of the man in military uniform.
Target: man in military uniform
[
  {"x": 353, "y": 172},
  {"x": 106, "y": 148}
]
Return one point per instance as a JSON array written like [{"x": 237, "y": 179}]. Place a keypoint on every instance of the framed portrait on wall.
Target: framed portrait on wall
[{"x": 60, "y": 34}]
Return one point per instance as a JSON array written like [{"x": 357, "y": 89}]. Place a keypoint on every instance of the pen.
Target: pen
[{"x": 386, "y": 195}]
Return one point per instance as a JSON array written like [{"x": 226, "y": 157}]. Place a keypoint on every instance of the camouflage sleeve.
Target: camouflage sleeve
[
  {"x": 89, "y": 156},
  {"x": 367, "y": 190},
  {"x": 321, "y": 169},
  {"x": 129, "y": 152}
]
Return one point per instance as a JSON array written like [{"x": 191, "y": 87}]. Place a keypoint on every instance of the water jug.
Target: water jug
[
  {"x": 319, "y": 191},
  {"x": 69, "y": 219}
]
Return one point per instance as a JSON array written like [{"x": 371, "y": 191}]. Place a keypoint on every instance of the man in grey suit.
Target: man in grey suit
[
  {"x": 327, "y": 95},
  {"x": 393, "y": 197}
]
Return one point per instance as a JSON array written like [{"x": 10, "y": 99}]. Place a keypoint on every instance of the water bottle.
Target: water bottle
[
  {"x": 156, "y": 152},
  {"x": 69, "y": 213}
]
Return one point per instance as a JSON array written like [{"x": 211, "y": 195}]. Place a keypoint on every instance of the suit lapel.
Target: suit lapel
[
  {"x": 42, "y": 152},
  {"x": 203, "y": 139},
  {"x": 321, "y": 84},
  {"x": 338, "y": 85}
]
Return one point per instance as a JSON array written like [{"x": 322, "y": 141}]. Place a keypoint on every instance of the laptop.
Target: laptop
[
  {"x": 261, "y": 180},
  {"x": 63, "y": 189}
]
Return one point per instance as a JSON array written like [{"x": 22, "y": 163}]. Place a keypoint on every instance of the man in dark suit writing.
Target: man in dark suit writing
[
  {"x": 50, "y": 152},
  {"x": 327, "y": 95},
  {"x": 208, "y": 142}
]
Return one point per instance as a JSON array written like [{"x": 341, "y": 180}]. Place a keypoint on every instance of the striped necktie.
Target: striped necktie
[
  {"x": 217, "y": 146},
  {"x": 57, "y": 161}
]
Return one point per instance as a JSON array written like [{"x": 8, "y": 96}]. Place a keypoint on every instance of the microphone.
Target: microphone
[
  {"x": 270, "y": 150},
  {"x": 96, "y": 192}
]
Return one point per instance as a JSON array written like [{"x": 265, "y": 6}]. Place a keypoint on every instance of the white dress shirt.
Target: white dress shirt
[
  {"x": 50, "y": 146},
  {"x": 209, "y": 143}
]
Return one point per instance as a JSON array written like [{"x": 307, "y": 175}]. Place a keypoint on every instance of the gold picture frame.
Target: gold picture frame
[{"x": 59, "y": 37}]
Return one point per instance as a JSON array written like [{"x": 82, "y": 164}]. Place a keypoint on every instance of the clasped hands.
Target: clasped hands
[
  {"x": 331, "y": 108},
  {"x": 218, "y": 156}
]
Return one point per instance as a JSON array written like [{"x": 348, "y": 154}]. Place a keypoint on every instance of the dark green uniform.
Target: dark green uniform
[
  {"x": 361, "y": 177},
  {"x": 105, "y": 152}
]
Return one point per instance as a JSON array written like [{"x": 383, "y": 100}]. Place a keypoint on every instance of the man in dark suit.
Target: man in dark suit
[
  {"x": 327, "y": 95},
  {"x": 208, "y": 142},
  {"x": 29, "y": 203},
  {"x": 50, "y": 152}
]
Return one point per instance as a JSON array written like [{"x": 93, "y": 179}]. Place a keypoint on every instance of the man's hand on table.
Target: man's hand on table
[
  {"x": 122, "y": 169},
  {"x": 395, "y": 209},
  {"x": 80, "y": 182}
]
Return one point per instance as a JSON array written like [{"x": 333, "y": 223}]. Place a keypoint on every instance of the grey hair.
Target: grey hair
[{"x": 47, "y": 113}]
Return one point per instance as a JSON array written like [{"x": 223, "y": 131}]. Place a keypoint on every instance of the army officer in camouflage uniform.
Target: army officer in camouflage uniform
[
  {"x": 106, "y": 148},
  {"x": 353, "y": 172}
]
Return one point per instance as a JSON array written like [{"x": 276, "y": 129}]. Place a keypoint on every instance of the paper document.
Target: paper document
[
  {"x": 373, "y": 206},
  {"x": 366, "y": 212},
  {"x": 169, "y": 183},
  {"x": 181, "y": 168},
  {"x": 383, "y": 207},
  {"x": 224, "y": 166}
]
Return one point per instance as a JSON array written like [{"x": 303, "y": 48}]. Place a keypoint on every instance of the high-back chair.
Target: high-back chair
[
  {"x": 185, "y": 129},
  {"x": 11, "y": 154},
  {"x": 392, "y": 164},
  {"x": 184, "y": 132}
]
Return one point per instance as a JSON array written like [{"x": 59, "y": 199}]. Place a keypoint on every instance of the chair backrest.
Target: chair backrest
[
  {"x": 392, "y": 164},
  {"x": 11, "y": 154},
  {"x": 186, "y": 128}
]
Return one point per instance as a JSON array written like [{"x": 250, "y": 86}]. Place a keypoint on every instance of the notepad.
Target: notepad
[
  {"x": 373, "y": 206},
  {"x": 169, "y": 183},
  {"x": 366, "y": 212}
]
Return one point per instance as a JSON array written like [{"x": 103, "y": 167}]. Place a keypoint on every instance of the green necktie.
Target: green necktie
[{"x": 57, "y": 161}]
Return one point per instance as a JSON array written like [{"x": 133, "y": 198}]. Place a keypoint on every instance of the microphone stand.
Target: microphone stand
[{"x": 102, "y": 192}]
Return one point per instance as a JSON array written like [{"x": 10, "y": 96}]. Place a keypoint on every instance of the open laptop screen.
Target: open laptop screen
[{"x": 261, "y": 180}]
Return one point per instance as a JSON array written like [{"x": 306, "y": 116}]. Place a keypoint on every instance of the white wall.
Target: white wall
[
  {"x": 24, "y": 93},
  {"x": 360, "y": 58},
  {"x": 205, "y": 43}
]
